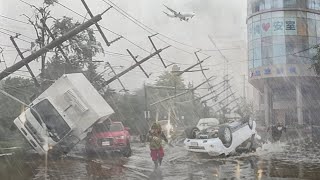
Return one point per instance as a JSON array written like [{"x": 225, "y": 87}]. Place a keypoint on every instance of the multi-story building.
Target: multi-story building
[{"x": 281, "y": 37}]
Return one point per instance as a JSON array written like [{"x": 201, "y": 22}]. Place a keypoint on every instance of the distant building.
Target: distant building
[{"x": 280, "y": 36}]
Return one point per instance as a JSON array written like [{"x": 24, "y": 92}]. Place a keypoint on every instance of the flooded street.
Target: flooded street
[{"x": 272, "y": 161}]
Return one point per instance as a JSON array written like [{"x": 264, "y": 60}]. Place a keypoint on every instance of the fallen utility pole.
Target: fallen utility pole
[
  {"x": 164, "y": 87},
  {"x": 114, "y": 72},
  {"x": 134, "y": 58},
  {"x": 229, "y": 103},
  {"x": 131, "y": 67},
  {"x": 22, "y": 57},
  {"x": 214, "y": 97},
  {"x": 51, "y": 45},
  {"x": 97, "y": 25},
  {"x": 222, "y": 100},
  {"x": 183, "y": 93},
  {"x": 180, "y": 73},
  {"x": 53, "y": 38},
  {"x": 155, "y": 48},
  {"x": 211, "y": 91}
]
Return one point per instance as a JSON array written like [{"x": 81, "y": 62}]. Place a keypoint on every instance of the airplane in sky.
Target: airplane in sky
[{"x": 181, "y": 16}]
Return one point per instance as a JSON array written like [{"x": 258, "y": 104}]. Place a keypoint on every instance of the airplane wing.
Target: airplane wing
[
  {"x": 173, "y": 11},
  {"x": 172, "y": 16}
]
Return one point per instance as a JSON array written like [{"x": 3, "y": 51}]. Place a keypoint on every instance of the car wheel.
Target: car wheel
[
  {"x": 225, "y": 135},
  {"x": 250, "y": 123},
  {"x": 191, "y": 132},
  {"x": 127, "y": 151}
]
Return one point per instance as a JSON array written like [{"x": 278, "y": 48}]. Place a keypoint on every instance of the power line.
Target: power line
[
  {"x": 148, "y": 29},
  {"x": 17, "y": 33},
  {"x": 14, "y": 19},
  {"x": 17, "y": 37}
]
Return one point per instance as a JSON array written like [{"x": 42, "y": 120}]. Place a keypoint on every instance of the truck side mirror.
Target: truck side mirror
[{"x": 126, "y": 128}]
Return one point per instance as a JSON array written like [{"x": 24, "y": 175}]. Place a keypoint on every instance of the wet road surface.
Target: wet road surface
[{"x": 272, "y": 161}]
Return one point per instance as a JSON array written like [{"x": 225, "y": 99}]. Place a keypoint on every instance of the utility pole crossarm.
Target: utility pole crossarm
[
  {"x": 97, "y": 25},
  {"x": 51, "y": 45},
  {"x": 180, "y": 94},
  {"x": 22, "y": 57},
  {"x": 134, "y": 58},
  {"x": 114, "y": 72},
  {"x": 132, "y": 67},
  {"x": 155, "y": 48},
  {"x": 180, "y": 73}
]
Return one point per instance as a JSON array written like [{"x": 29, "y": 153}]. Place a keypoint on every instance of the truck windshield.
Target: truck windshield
[
  {"x": 99, "y": 128},
  {"x": 56, "y": 125}
]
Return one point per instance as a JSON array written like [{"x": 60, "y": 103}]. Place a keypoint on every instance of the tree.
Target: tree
[
  {"x": 315, "y": 61},
  {"x": 21, "y": 88}
]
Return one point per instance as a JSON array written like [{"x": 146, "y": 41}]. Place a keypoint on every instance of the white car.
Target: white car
[{"x": 221, "y": 139}]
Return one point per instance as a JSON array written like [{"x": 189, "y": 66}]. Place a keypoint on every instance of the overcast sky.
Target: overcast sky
[{"x": 224, "y": 20}]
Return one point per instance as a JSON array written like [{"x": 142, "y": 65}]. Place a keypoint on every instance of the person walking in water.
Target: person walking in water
[
  {"x": 156, "y": 150},
  {"x": 276, "y": 131}
]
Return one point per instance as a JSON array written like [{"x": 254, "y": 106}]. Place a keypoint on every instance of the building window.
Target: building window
[
  {"x": 257, "y": 57},
  {"x": 278, "y": 3},
  {"x": 279, "y": 54},
  {"x": 289, "y": 3},
  {"x": 268, "y": 4},
  {"x": 312, "y": 28}
]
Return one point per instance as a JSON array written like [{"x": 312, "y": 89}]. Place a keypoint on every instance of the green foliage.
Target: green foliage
[
  {"x": 316, "y": 61},
  {"x": 22, "y": 89}
]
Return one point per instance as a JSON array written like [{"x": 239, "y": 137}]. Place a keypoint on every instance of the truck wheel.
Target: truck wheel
[
  {"x": 250, "y": 123},
  {"x": 225, "y": 135},
  {"x": 127, "y": 151},
  {"x": 191, "y": 132}
]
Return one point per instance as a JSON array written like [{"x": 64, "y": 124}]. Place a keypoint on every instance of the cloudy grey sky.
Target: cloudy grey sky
[{"x": 224, "y": 20}]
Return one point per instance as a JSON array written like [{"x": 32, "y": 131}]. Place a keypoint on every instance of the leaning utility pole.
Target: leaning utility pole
[
  {"x": 22, "y": 57},
  {"x": 132, "y": 67},
  {"x": 50, "y": 46}
]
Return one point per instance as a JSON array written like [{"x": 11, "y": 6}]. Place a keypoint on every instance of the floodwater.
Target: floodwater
[{"x": 272, "y": 161}]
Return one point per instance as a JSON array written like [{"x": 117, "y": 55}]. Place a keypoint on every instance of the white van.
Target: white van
[{"x": 60, "y": 117}]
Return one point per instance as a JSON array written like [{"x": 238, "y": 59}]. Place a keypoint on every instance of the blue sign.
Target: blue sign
[
  {"x": 293, "y": 70},
  {"x": 257, "y": 73},
  {"x": 267, "y": 71}
]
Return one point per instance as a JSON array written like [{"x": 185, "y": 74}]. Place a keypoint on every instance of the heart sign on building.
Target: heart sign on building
[{"x": 266, "y": 26}]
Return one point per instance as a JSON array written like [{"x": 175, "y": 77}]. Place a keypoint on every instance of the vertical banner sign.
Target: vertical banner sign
[{"x": 147, "y": 114}]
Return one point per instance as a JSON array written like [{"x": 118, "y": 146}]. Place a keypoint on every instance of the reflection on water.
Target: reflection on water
[{"x": 292, "y": 162}]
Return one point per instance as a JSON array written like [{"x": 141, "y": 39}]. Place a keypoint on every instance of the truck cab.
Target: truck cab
[{"x": 61, "y": 116}]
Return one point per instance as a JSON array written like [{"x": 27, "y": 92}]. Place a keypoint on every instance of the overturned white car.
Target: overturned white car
[{"x": 221, "y": 139}]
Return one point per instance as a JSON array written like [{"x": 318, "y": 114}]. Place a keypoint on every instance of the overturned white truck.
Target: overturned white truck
[{"x": 60, "y": 117}]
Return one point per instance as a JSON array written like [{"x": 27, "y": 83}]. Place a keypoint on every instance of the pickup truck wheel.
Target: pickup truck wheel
[
  {"x": 127, "y": 152},
  {"x": 191, "y": 132},
  {"x": 225, "y": 135}
]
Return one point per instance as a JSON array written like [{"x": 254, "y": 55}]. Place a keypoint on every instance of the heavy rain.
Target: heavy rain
[{"x": 159, "y": 89}]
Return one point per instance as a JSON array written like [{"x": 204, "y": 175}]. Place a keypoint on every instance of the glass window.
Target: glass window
[
  {"x": 116, "y": 127},
  {"x": 249, "y": 32},
  {"x": 311, "y": 4},
  {"x": 256, "y": 30},
  {"x": 266, "y": 53},
  {"x": 268, "y": 4},
  {"x": 312, "y": 28},
  {"x": 318, "y": 28},
  {"x": 278, "y": 14},
  {"x": 261, "y": 5},
  {"x": 56, "y": 125},
  {"x": 302, "y": 29},
  {"x": 301, "y": 14},
  {"x": 257, "y": 57},
  {"x": 279, "y": 54},
  {"x": 289, "y": 3},
  {"x": 250, "y": 56},
  {"x": 294, "y": 46},
  {"x": 277, "y": 3}
]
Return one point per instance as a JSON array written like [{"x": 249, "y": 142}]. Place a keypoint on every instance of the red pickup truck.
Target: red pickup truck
[{"x": 108, "y": 137}]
